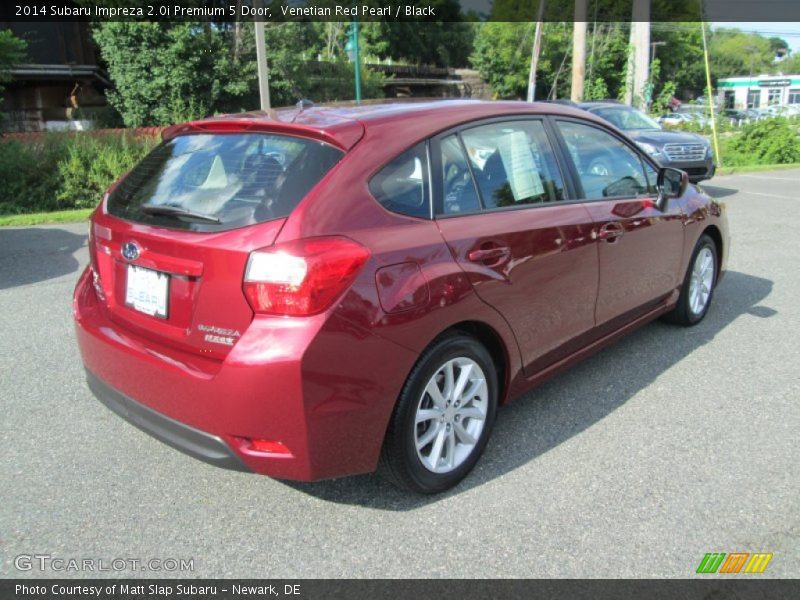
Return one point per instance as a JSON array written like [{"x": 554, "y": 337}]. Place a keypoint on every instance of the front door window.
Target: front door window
[{"x": 607, "y": 168}]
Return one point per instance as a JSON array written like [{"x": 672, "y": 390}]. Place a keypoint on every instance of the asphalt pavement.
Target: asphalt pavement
[{"x": 668, "y": 445}]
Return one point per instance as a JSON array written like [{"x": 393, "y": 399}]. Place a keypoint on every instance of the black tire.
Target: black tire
[
  {"x": 683, "y": 314},
  {"x": 400, "y": 462}
]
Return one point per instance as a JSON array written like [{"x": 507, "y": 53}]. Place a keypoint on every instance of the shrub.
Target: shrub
[
  {"x": 770, "y": 141},
  {"x": 57, "y": 171},
  {"x": 92, "y": 163},
  {"x": 595, "y": 90},
  {"x": 29, "y": 172}
]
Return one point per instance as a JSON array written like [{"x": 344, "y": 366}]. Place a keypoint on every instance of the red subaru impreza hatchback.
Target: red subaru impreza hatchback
[{"x": 325, "y": 291}]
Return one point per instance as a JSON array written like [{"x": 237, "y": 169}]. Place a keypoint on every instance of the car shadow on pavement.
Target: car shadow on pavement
[
  {"x": 33, "y": 254},
  {"x": 718, "y": 192},
  {"x": 572, "y": 402}
]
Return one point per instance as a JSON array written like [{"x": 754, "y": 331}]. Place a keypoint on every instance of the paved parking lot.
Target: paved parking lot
[{"x": 670, "y": 444}]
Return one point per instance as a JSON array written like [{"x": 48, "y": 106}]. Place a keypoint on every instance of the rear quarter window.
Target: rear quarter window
[
  {"x": 216, "y": 182},
  {"x": 402, "y": 185}
]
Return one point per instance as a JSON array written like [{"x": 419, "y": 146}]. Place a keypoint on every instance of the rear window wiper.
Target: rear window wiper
[{"x": 177, "y": 211}]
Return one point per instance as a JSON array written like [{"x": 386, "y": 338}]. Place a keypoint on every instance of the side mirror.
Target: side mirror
[{"x": 671, "y": 183}]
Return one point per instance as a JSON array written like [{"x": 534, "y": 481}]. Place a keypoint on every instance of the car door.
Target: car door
[
  {"x": 503, "y": 209},
  {"x": 640, "y": 246}
]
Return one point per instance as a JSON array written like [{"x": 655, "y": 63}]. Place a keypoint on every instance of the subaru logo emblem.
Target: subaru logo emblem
[{"x": 130, "y": 250}]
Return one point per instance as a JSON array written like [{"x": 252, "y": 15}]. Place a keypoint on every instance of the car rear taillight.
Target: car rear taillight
[
  {"x": 94, "y": 230},
  {"x": 90, "y": 244},
  {"x": 302, "y": 277},
  {"x": 96, "y": 283}
]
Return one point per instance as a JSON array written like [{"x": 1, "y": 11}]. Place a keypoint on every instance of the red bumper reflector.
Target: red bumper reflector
[{"x": 249, "y": 446}]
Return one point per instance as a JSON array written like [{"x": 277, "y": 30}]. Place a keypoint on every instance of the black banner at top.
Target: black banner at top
[{"x": 396, "y": 10}]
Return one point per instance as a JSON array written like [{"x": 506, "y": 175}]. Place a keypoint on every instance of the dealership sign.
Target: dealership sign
[{"x": 774, "y": 82}]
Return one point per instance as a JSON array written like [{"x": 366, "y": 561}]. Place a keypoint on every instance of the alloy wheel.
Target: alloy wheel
[
  {"x": 701, "y": 281},
  {"x": 451, "y": 414}
]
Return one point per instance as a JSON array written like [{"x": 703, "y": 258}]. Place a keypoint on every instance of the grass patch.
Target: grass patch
[
  {"x": 43, "y": 218},
  {"x": 755, "y": 168}
]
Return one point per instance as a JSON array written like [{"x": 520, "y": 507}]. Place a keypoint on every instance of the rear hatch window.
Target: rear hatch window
[{"x": 217, "y": 182}]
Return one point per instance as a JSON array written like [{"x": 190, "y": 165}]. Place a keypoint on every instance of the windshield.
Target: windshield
[
  {"x": 215, "y": 182},
  {"x": 627, "y": 119}
]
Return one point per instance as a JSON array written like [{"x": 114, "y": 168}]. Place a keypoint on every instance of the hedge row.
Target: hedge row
[
  {"x": 767, "y": 142},
  {"x": 58, "y": 171}
]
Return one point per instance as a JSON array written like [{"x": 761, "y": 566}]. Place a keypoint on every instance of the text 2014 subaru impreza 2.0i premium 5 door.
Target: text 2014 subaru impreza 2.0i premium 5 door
[{"x": 330, "y": 291}]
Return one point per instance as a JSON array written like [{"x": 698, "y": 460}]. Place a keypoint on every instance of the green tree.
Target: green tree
[
  {"x": 779, "y": 47},
  {"x": 790, "y": 65},
  {"x": 502, "y": 56},
  {"x": 607, "y": 47},
  {"x": 443, "y": 42},
  {"x": 735, "y": 53},
  {"x": 12, "y": 51},
  {"x": 168, "y": 72},
  {"x": 681, "y": 55},
  {"x": 499, "y": 57},
  {"x": 440, "y": 44},
  {"x": 595, "y": 90}
]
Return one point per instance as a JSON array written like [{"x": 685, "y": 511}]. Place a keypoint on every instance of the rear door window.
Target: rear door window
[
  {"x": 459, "y": 192},
  {"x": 216, "y": 182},
  {"x": 513, "y": 164}
]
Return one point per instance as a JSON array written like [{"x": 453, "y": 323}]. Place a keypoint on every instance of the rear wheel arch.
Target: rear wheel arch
[
  {"x": 494, "y": 344},
  {"x": 418, "y": 453}
]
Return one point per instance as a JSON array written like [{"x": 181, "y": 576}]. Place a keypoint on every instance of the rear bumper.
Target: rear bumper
[
  {"x": 322, "y": 388},
  {"x": 198, "y": 444}
]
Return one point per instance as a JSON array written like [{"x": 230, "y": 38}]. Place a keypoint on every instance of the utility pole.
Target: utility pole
[
  {"x": 354, "y": 54},
  {"x": 357, "y": 51},
  {"x": 261, "y": 61},
  {"x": 537, "y": 48},
  {"x": 638, "y": 71},
  {"x": 578, "y": 50},
  {"x": 708, "y": 95}
]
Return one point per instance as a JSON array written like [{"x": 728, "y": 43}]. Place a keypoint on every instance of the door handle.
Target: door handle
[
  {"x": 610, "y": 232},
  {"x": 485, "y": 255}
]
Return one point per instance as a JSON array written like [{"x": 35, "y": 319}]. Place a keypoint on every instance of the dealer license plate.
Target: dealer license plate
[{"x": 147, "y": 291}]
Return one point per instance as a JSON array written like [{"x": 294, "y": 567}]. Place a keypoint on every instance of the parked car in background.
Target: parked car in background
[
  {"x": 697, "y": 113},
  {"x": 674, "y": 119},
  {"x": 689, "y": 152},
  {"x": 779, "y": 111},
  {"x": 564, "y": 101},
  {"x": 733, "y": 116},
  {"x": 753, "y": 114},
  {"x": 318, "y": 292}
]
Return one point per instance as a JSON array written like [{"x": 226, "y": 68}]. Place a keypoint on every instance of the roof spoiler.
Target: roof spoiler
[{"x": 343, "y": 136}]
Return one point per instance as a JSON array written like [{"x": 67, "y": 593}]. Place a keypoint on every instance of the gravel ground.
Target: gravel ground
[{"x": 670, "y": 444}]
